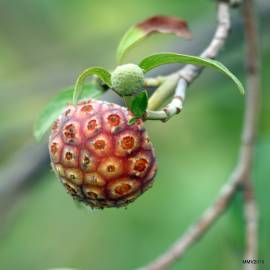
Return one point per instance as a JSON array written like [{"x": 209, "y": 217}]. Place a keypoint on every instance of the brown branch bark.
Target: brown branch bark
[{"x": 242, "y": 172}]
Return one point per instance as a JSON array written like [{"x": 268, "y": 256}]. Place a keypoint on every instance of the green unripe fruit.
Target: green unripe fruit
[{"x": 127, "y": 79}]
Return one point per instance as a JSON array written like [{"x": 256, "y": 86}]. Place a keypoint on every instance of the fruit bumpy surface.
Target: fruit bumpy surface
[{"x": 100, "y": 159}]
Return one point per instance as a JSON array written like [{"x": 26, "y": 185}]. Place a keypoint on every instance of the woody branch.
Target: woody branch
[
  {"x": 240, "y": 177},
  {"x": 176, "y": 83}
]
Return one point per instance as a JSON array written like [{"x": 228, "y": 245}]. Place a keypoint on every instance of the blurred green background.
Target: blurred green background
[{"x": 44, "y": 45}]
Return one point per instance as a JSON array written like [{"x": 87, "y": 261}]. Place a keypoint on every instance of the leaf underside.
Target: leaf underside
[
  {"x": 156, "y": 24},
  {"x": 156, "y": 60},
  {"x": 55, "y": 107}
]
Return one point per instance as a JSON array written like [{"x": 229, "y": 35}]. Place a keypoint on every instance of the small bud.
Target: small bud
[{"x": 127, "y": 79}]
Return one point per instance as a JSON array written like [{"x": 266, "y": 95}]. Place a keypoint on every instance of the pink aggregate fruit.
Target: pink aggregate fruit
[{"x": 100, "y": 159}]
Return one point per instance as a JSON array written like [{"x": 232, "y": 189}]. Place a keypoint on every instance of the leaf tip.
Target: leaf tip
[{"x": 132, "y": 121}]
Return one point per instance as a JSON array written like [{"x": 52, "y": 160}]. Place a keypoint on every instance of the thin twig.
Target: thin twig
[
  {"x": 207, "y": 219},
  {"x": 239, "y": 177},
  {"x": 251, "y": 224},
  {"x": 251, "y": 119},
  {"x": 174, "y": 107},
  {"x": 188, "y": 74}
]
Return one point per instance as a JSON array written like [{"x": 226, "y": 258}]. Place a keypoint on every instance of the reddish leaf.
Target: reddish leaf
[
  {"x": 166, "y": 25},
  {"x": 156, "y": 24}
]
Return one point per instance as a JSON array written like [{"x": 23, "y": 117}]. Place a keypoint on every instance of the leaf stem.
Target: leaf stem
[
  {"x": 79, "y": 84},
  {"x": 103, "y": 74},
  {"x": 190, "y": 72}
]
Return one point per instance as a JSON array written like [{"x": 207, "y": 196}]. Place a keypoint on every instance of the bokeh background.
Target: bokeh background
[{"x": 44, "y": 45}]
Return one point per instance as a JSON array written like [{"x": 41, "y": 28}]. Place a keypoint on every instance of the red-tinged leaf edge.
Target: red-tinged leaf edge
[
  {"x": 155, "y": 24},
  {"x": 165, "y": 25}
]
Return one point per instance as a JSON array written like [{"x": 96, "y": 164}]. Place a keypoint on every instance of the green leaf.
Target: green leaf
[
  {"x": 132, "y": 121},
  {"x": 156, "y": 60},
  {"x": 139, "y": 104},
  {"x": 57, "y": 105},
  {"x": 102, "y": 73},
  {"x": 130, "y": 38},
  {"x": 156, "y": 24}
]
